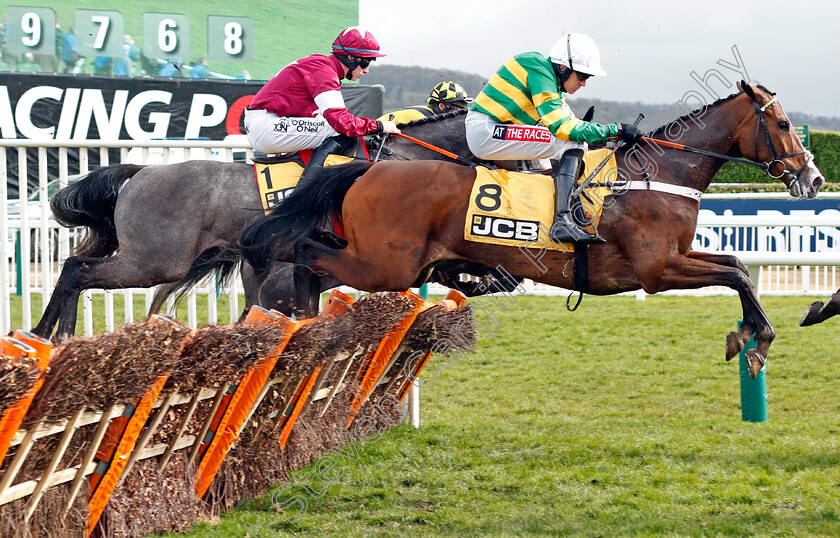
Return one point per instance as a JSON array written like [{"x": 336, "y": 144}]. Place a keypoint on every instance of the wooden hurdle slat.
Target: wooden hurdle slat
[
  {"x": 337, "y": 304},
  {"x": 90, "y": 454},
  {"x": 205, "y": 426},
  {"x": 394, "y": 356},
  {"x": 386, "y": 349},
  {"x": 335, "y": 388},
  {"x": 63, "y": 443},
  {"x": 24, "y": 489},
  {"x": 288, "y": 403},
  {"x": 253, "y": 384},
  {"x": 301, "y": 401},
  {"x": 396, "y": 375},
  {"x": 410, "y": 379},
  {"x": 182, "y": 427},
  {"x": 14, "y": 466},
  {"x": 150, "y": 428}
]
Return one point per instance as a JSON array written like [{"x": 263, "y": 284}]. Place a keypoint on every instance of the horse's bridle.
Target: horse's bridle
[
  {"x": 767, "y": 167},
  {"x": 775, "y": 157}
]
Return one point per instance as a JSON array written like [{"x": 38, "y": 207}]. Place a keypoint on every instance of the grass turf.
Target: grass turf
[{"x": 619, "y": 419}]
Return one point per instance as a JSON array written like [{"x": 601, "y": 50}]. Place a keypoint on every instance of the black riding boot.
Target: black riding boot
[
  {"x": 336, "y": 144},
  {"x": 565, "y": 229}
]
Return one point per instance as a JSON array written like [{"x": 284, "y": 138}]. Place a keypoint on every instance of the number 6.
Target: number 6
[{"x": 167, "y": 39}]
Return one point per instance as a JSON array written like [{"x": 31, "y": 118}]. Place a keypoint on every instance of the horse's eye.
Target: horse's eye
[{"x": 784, "y": 126}]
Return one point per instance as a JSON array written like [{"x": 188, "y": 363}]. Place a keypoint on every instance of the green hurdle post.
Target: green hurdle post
[
  {"x": 424, "y": 292},
  {"x": 753, "y": 391},
  {"x": 18, "y": 261}
]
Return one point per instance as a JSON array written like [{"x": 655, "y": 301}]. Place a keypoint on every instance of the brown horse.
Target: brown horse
[
  {"x": 150, "y": 225},
  {"x": 402, "y": 218}
]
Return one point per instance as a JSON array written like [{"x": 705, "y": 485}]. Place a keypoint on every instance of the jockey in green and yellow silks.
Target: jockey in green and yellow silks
[{"x": 522, "y": 114}]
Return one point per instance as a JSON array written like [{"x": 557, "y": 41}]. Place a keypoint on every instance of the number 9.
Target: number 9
[{"x": 31, "y": 25}]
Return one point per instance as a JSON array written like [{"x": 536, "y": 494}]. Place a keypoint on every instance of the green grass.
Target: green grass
[{"x": 621, "y": 419}]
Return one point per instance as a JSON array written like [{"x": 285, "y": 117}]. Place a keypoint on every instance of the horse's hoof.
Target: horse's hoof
[
  {"x": 812, "y": 315},
  {"x": 734, "y": 345},
  {"x": 755, "y": 363}
]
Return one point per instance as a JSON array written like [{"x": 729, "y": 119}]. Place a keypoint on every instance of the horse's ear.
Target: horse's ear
[{"x": 746, "y": 88}]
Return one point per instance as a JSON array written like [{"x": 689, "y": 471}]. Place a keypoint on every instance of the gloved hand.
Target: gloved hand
[
  {"x": 629, "y": 133},
  {"x": 389, "y": 127}
]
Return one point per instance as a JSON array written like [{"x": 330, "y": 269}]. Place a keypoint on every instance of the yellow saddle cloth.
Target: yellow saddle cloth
[
  {"x": 516, "y": 209},
  {"x": 277, "y": 180}
]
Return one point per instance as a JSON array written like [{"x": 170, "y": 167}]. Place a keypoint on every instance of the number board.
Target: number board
[
  {"x": 230, "y": 39},
  {"x": 100, "y": 32},
  {"x": 166, "y": 35},
  {"x": 30, "y": 29}
]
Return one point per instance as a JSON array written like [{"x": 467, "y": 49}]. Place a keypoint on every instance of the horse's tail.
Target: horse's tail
[
  {"x": 265, "y": 239},
  {"x": 90, "y": 203},
  {"x": 223, "y": 260}
]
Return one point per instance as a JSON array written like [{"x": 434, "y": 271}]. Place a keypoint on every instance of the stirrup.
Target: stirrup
[{"x": 564, "y": 230}]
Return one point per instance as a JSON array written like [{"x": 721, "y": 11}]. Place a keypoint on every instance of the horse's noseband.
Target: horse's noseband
[{"x": 776, "y": 158}]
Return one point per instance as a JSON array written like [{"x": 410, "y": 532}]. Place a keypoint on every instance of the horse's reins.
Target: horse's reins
[
  {"x": 434, "y": 148},
  {"x": 766, "y": 167}
]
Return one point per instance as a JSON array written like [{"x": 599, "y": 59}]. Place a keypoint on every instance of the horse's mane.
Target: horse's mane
[
  {"x": 432, "y": 119},
  {"x": 685, "y": 117}
]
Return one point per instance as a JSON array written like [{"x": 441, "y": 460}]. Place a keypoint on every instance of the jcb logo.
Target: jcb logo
[{"x": 499, "y": 228}]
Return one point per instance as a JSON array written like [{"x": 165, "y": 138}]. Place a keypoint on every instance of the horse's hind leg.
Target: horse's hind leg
[
  {"x": 51, "y": 314},
  {"x": 387, "y": 274},
  {"x": 82, "y": 273},
  {"x": 726, "y": 260}
]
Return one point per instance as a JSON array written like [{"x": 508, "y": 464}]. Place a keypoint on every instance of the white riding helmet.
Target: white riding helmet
[{"x": 577, "y": 52}]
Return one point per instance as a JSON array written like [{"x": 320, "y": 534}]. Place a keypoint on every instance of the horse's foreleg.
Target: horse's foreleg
[{"x": 684, "y": 272}]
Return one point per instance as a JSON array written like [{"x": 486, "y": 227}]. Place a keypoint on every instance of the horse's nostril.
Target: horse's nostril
[{"x": 819, "y": 182}]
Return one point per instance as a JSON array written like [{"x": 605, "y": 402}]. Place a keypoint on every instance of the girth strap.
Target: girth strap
[{"x": 581, "y": 271}]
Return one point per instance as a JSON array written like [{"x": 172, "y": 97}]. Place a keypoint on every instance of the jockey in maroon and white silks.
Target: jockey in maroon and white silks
[{"x": 302, "y": 106}]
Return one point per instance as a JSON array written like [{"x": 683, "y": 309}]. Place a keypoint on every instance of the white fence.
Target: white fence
[{"x": 33, "y": 246}]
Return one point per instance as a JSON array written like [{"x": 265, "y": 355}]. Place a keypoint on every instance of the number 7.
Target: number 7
[{"x": 104, "y": 22}]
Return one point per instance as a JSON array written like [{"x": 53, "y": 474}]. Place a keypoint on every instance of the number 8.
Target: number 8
[
  {"x": 233, "y": 38},
  {"x": 31, "y": 24}
]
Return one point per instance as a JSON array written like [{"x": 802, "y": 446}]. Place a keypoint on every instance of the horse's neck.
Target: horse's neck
[
  {"x": 447, "y": 133},
  {"x": 713, "y": 130}
]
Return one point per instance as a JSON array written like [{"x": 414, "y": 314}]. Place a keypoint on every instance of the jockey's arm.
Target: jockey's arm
[{"x": 556, "y": 114}]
